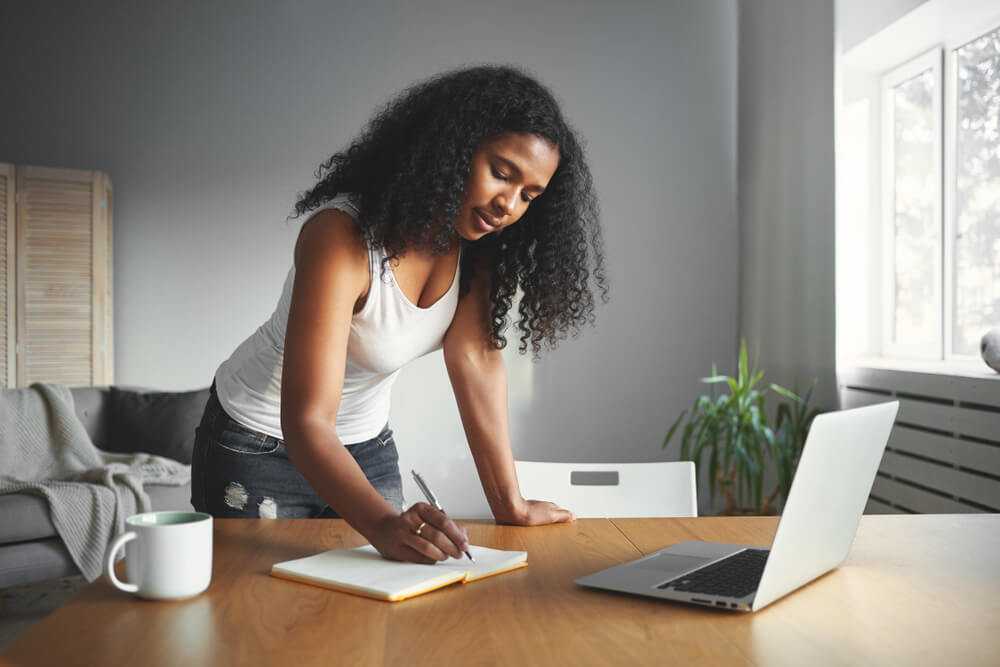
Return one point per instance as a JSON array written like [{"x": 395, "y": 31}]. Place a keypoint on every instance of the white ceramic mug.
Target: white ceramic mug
[{"x": 168, "y": 555}]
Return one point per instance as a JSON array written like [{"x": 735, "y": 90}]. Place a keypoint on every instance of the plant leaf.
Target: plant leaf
[
  {"x": 686, "y": 441},
  {"x": 713, "y": 468},
  {"x": 786, "y": 393},
  {"x": 742, "y": 366},
  {"x": 670, "y": 433}
]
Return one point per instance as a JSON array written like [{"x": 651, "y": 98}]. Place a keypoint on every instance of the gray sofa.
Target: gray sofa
[{"x": 118, "y": 420}]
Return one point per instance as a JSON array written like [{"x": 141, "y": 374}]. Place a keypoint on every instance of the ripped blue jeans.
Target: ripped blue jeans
[{"x": 237, "y": 472}]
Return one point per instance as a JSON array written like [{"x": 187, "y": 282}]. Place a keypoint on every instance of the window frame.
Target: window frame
[
  {"x": 950, "y": 185},
  {"x": 932, "y": 60}
]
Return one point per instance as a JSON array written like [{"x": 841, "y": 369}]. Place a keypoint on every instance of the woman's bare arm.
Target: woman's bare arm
[
  {"x": 479, "y": 378},
  {"x": 331, "y": 275}
]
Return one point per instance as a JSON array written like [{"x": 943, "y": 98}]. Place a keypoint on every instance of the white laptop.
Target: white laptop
[{"x": 828, "y": 496}]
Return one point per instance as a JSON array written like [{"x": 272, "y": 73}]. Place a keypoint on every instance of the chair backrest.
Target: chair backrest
[{"x": 596, "y": 490}]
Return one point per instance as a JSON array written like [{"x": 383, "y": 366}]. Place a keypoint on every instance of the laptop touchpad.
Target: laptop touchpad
[{"x": 671, "y": 565}]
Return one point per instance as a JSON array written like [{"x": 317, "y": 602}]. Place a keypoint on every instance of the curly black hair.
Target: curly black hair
[{"x": 409, "y": 168}]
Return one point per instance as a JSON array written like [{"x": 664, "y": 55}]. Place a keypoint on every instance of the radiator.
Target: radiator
[{"x": 943, "y": 454}]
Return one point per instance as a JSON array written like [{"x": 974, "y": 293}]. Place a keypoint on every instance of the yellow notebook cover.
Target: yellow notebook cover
[{"x": 363, "y": 571}]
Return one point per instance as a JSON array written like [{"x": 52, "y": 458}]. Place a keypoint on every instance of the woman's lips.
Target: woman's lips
[{"x": 486, "y": 223}]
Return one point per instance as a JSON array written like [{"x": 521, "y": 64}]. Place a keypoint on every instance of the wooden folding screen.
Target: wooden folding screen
[
  {"x": 58, "y": 277},
  {"x": 7, "y": 284}
]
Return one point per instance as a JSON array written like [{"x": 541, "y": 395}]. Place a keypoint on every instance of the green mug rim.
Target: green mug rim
[{"x": 173, "y": 518}]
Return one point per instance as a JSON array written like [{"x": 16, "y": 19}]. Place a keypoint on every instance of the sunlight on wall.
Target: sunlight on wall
[{"x": 852, "y": 228}]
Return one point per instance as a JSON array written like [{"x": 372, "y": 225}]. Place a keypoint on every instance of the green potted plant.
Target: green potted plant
[{"x": 734, "y": 431}]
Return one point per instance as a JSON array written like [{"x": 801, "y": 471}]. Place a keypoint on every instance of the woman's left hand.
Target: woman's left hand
[{"x": 537, "y": 513}]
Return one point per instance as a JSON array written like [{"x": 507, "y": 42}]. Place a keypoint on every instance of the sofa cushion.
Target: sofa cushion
[
  {"x": 90, "y": 404},
  {"x": 28, "y": 562},
  {"x": 26, "y": 515},
  {"x": 170, "y": 498},
  {"x": 160, "y": 423}
]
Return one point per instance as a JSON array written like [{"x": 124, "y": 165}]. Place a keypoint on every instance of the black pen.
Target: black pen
[{"x": 432, "y": 500}]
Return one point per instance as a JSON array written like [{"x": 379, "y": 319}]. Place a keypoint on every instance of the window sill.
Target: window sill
[
  {"x": 974, "y": 368},
  {"x": 960, "y": 381}
]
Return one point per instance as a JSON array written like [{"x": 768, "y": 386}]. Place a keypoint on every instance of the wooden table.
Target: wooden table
[{"x": 916, "y": 590}]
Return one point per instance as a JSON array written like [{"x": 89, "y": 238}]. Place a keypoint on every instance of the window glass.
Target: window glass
[
  {"x": 976, "y": 263},
  {"x": 916, "y": 230}
]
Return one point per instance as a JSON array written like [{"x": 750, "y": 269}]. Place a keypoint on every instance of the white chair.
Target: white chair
[{"x": 598, "y": 490}]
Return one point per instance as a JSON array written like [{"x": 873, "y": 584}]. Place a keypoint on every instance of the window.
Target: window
[
  {"x": 975, "y": 246},
  {"x": 940, "y": 200},
  {"x": 911, "y": 104}
]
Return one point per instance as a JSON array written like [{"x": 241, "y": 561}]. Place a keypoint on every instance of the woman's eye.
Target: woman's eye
[
  {"x": 498, "y": 174},
  {"x": 526, "y": 198}
]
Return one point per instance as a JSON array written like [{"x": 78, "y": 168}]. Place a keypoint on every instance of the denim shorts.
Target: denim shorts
[{"x": 238, "y": 472}]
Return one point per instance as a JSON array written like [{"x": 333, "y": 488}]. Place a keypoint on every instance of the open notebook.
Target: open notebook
[{"x": 363, "y": 571}]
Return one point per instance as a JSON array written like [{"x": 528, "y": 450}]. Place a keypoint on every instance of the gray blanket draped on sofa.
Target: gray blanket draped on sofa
[{"x": 45, "y": 450}]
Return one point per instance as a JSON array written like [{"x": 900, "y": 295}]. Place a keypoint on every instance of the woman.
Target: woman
[{"x": 410, "y": 245}]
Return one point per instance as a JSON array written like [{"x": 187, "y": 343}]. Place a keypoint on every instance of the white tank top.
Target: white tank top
[{"x": 387, "y": 333}]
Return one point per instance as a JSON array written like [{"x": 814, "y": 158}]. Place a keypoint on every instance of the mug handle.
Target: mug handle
[{"x": 109, "y": 563}]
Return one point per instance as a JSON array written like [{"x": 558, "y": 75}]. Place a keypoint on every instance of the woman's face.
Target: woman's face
[{"x": 507, "y": 172}]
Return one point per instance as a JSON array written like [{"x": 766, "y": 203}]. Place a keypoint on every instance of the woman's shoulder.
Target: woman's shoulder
[
  {"x": 332, "y": 234},
  {"x": 348, "y": 202}
]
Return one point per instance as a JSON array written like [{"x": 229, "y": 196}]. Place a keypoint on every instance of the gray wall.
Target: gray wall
[
  {"x": 786, "y": 190},
  {"x": 210, "y": 120}
]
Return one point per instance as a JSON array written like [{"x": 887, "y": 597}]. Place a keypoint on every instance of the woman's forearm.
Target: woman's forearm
[
  {"x": 480, "y": 386},
  {"x": 324, "y": 461}
]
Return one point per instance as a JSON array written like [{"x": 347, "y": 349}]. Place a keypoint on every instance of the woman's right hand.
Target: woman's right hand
[{"x": 421, "y": 534}]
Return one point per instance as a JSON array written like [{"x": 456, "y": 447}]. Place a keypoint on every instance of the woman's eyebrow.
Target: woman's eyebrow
[{"x": 513, "y": 167}]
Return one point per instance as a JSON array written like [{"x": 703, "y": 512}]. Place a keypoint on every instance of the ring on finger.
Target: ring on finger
[{"x": 420, "y": 527}]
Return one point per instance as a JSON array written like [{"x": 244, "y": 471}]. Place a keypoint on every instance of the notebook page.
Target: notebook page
[
  {"x": 364, "y": 569},
  {"x": 488, "y": 561}
]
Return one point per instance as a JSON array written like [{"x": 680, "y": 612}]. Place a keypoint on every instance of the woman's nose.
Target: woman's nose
[{"x": 505, "y": 203}]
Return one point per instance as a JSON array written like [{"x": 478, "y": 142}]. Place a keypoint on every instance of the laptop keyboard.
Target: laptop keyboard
[{"x": 736, "y": 576}]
